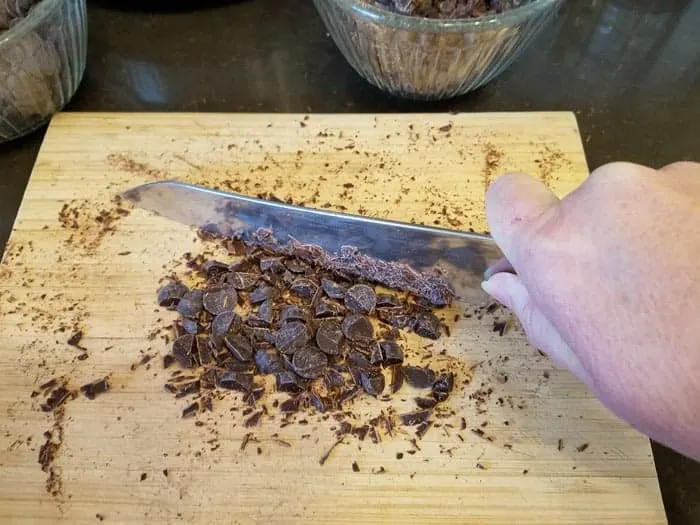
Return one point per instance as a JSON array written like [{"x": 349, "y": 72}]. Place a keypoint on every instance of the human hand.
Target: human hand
[{"x": 608, "y": 285}]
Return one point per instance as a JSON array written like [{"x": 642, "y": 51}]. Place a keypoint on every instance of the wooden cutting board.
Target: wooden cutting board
[{"x": 549, "y": 453}]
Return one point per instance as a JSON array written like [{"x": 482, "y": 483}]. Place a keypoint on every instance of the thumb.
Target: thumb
[
  {"x": 513, "y": 203},
  {"x": 509, "y": 290}
]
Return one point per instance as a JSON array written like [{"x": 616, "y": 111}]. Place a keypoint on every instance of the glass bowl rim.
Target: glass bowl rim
[
  {"x": 383, "y": 16},
  {"x": 36, "y": 16}
]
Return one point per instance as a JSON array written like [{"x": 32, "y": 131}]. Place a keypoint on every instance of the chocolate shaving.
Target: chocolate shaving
[{"x": 325, "y": 456}]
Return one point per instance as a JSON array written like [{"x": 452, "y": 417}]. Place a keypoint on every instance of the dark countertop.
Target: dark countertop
[{"x": 630, "y": 69}]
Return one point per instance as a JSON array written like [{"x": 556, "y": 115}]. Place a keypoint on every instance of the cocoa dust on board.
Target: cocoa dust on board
[
  {"x": 88, "y": 223},
  {"x": 550, "y": 160}
]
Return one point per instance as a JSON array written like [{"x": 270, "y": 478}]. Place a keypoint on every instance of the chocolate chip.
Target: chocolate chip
[
  {"x": 444, "y": 383},
  {"x": 333, "y": 289},
  {"x": 263, "y": 293},
  {"x": 396, "y": 378},
  {"x": 295, "y": 266},
  {"x": 326, "y": 308},
  {"x": 303, "y": 288},
  {"x": 243, "y": 280},
  {"x": 269, "y": 361},
  {"x": 258, "y": 335},
  {"x": 392, "y": 354},
  {"x": 289, "y": 405},
  {"x": 170, "y": 294},
  {"x": 288, "y": 381},
  {"x": 182, "y": 350},
  {"x": 191, "y": 304},
  {"x": 204, "y": 351},
  {"x": 356, "y": 374},
  {"x": 309, "y": 362},
  {"x": 219, "y": 300},
  {"x": 375, "y": 353},
  {"x": 357, "y": 327},
  {"x": 234, "y": 365},
  {"x": 334, "y": 379},
  {"x": 319, "y": 403},
  {"x": 357, "y": 359},
  {"x": 214, "y": 268},
  {"x": 292, "y": 336},
  {"x": 272, "y": 265},
  {"x": 264, "y": 316},
  {"x": 240, "y": 381},
  {"x": 360, "y": 299},
  {"x": 414, "y": 418},
  {"x": 187, "y": 388},
  {"x": 224, "y": 323},
  {"x": 419, "y": 377},
  {"x": 388, "y": 301},
  {"x": 239, "y": 347},
  {"x": 266, "y": 312},
  {"x": 426, "y": 324},
  {"x": 293, "y": 313},
  {"x": 190, "y": 326},
  {"x": 372, "y": 381},
  {"x": 426, "y": 402},
  {"x": 329, "y": 337}
]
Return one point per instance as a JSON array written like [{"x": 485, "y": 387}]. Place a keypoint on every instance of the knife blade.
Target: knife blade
[{"x": 464, "y": 257}]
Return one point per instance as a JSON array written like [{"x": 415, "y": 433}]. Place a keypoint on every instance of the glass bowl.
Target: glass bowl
[
  {"x": 42, "y": 61},
  {"x": 429, "y": 58}
]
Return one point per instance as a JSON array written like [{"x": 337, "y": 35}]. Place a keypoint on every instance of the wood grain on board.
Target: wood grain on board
[{"x": 79, "y": 261}]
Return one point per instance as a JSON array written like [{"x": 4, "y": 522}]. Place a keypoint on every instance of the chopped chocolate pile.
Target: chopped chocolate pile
[
  {"x": 449, "y": 8},
  {"x": 325, "y": 339},
  {"x": 349, "y": 263}
]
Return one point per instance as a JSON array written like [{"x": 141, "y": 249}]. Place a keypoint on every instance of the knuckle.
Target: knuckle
[{"x": 682, "y": 166}]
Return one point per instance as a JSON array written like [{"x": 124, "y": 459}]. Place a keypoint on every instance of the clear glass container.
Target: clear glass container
[
  {"x": 429, "y": 58},
  {"x": 42, "y": 61}
]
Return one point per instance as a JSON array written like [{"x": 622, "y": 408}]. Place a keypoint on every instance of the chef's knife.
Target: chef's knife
[{"x": 464, "y": 257}]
